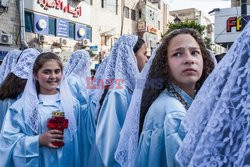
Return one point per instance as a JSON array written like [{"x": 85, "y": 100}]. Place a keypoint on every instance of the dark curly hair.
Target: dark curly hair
[{"x": 160, "y": 70}]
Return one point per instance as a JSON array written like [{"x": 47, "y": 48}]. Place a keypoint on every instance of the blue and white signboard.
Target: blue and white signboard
[
  {"x": 62, "y": 28},
  {"x": 80, "y": 31},
  {"x": 41, "y": 25}
]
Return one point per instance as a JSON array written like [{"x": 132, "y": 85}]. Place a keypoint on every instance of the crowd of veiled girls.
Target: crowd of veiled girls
[{"x": 179, "y": 108}]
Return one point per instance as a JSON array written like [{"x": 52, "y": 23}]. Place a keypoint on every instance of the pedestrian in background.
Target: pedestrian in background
[
  {"x": 127, "y": 58},
  {"x": 77, "y": 72},
  {"x": 128, "y": 140},
  {"x": 8, "y": 63},
  {"x": 13, "y": 85}
]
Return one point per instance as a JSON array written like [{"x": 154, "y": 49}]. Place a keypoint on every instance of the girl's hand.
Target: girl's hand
[{"x": 50, "y": 136}]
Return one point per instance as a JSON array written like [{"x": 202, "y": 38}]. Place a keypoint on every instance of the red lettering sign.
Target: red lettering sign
[{"x": 59, "y": 5}]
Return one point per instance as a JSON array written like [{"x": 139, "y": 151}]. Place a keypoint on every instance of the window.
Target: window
[
  {"x": 133, "y": 17},
  {"x": 126, "y": 12},
  {"x": 52, "y": 26},
  {"x": 139, "y": 14},
  {"x": 159, "y": 5},
  {"x": 89, "y": 33},
  {"x": 29, "y": 21},
  {"x": 104, "y": 40},
  {"x": 89, "y": 2},
  {"x": 102, "y": 3},
  {"x": 116, "y": 12},
  {"x": 71, "y": 30},
  {"x": 110, "y": 5}
]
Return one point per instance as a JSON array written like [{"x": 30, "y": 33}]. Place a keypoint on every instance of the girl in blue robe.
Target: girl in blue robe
[
  {"x": 25, "y": 139},
  {"x": 8, "y": 63},
  {"x": 77, "y": 72},
  {"x": 127, "y": 58},
  {"x": 217, "y": 122},
  {"x": 180, "y": 66},
  {"x": 14, "y": 83}
]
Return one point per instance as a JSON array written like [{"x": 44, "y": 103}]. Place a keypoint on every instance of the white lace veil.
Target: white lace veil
[
  {"x": 218, "y": 121},
  {"x": 30, "y": 98},
  {"x": 25, "y": 63},
  {"x": 8, "y": 63},
  {"x": 79, "y": 66},
  {"x": 128, "y": 141},
  {"x": 121, "y": 65},
  {"x": 98, "y": 75}
]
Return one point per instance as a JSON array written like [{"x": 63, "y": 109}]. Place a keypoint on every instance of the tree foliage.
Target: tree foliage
[{"x": 190, "y": 24}]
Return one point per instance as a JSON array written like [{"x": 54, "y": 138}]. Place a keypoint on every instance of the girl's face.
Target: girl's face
[
  {"x": 185, "y": 61},
  {"x": 49, "y": 77},
  {"x": 141, "y": 56}
]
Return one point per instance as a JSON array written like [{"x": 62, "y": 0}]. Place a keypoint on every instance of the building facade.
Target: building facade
[
  {"x": 235, "y": 3},
  {"x": 192, "y": 14},
  {"x": 9, "y": 27},
  {"x": 63, "y": 26}
]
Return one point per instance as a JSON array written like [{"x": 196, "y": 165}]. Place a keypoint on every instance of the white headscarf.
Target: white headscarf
[
  {"x": 128, "y": 140},
  {"x": 8, "y": 63},
  {"x": 31, "y": 101},
  {"x": 25, "y": 63},
  {"x": 121, "y": 65},
  {"x": 79, "y": 66}
]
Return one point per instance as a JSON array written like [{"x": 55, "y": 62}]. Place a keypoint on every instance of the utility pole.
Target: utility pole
[{"x": 243, "y": 13}]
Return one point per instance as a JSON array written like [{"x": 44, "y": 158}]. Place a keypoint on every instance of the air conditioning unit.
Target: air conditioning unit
[
  {"x": 5, "y": 38},
  {"x": 4, "y": 3},
  {"x": 85, "y": 42},
  {"x": 63, "y": 41}
]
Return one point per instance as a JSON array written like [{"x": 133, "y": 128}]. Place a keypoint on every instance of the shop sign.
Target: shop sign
[
  {"x": 62, "y": 28},
  {"x": 141, "y": 26},
  {"x": 41, "y": 24},
  {"x": 60, "y": 5},
  {"x": 235, "y": 22},
  {"x": 151, "y": 29}
]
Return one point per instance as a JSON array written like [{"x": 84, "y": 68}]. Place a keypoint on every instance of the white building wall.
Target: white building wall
[{"x": 9, "y": 23}]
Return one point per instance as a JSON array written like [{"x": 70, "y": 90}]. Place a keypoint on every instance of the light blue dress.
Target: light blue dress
[
  {"x": 87, "y": 124},
  {"x": 110, "y": 121},
  {"x": 4, "y": 105},
  {"x": 77, "y": 91},
  {"x": 77, "y": 72},
  {"x": 19, "y": 145},
  {"x": 162, "y": 134}
]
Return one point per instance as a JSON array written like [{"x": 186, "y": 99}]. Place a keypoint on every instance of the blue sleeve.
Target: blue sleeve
[
  {"x": 162, "y": 134},
  {"x": 173, "y": 135},
  {"x": 18, "y": 147},
  {"x": 78, "y": 91}
]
